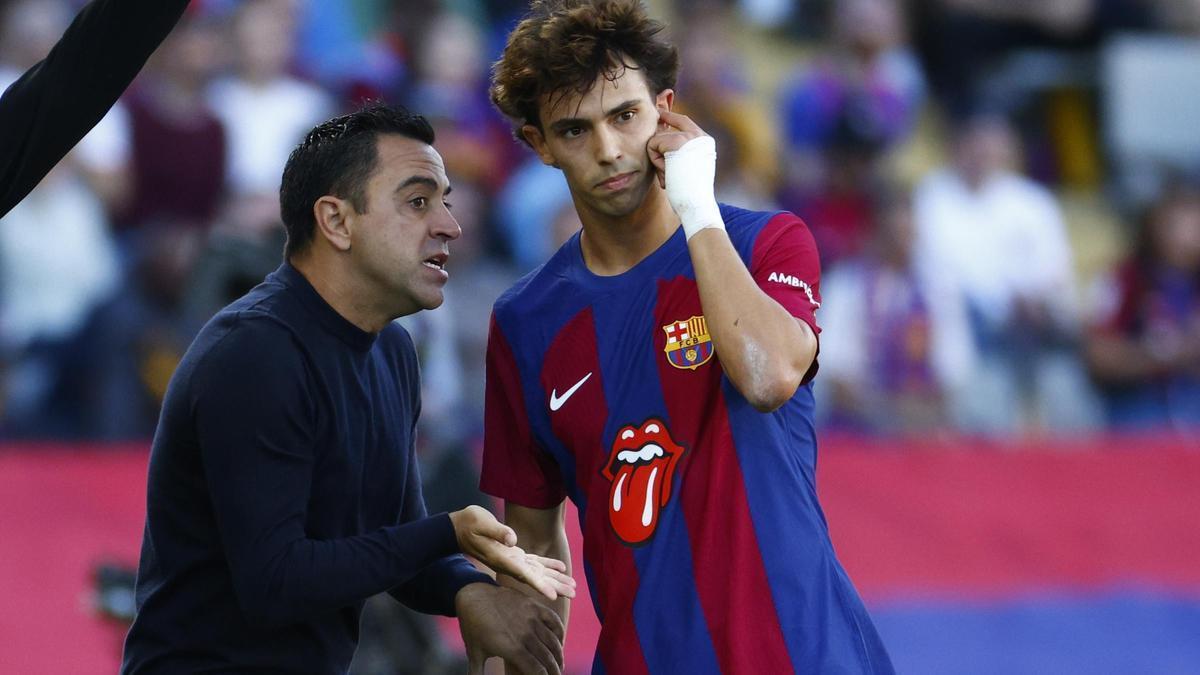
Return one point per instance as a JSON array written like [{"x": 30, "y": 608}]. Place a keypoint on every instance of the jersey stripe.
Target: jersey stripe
[
  {"x": 612, "y": 575},
  {"x": 509, "y": 447},
  {"x": 805, "y": 575},
  {"x": 730, "y": 575},
  {"x": 667, "y": 610}
]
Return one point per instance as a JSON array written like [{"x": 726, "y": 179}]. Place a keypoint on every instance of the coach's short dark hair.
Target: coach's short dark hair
[
  {"x": 337, "y": 158},
  {"x": 562, "y": 46}
]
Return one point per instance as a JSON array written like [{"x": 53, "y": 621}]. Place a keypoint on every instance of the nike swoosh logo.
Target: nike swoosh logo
[{"x": 557, "y": 401}]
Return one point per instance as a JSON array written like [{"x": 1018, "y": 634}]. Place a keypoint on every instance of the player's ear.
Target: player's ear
[
  {"x": 665, "y": 99},
  {"x": 537, "y": 141},
  {"x": 334, "y": 219}
]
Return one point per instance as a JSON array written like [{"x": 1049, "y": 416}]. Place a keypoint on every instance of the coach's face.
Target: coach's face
[
  {"x": 599, "y": 139},
  {"x": 400, "y": 244}
]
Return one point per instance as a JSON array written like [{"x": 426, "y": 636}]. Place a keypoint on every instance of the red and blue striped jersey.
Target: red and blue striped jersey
[{"x": 704, "y": 546}]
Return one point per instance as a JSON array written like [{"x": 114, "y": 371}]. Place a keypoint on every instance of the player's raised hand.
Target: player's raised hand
[
  {"x": 686, "y": 160},
  {"x": 493, "y": 543},
  {"x": 497, "y": 621},
  {"x": 674, "y": 131}
]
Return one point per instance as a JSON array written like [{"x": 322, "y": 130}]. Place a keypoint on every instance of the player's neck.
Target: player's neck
[{"x": 612, "y": 246}]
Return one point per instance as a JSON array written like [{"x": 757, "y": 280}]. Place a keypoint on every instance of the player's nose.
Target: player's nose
[{"x": 607, "y": 145}]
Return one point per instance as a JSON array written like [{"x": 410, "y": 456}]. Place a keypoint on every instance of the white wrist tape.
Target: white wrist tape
[{"x": 691, "y": 171}]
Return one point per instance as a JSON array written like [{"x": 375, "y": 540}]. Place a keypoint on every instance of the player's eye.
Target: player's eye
[
  {"x": 572, "y": 132},
  {"x": 626, "y": 115},
  {"x": 418, "y": 202},
  {"x": 447, "y": 204}
]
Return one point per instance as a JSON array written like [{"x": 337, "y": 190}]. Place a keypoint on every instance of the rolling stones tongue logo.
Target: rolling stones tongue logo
[{"x": 640, "y": 467}]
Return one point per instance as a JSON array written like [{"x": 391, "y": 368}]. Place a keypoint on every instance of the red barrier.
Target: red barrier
[
  {"x": 922, "y": 518},
  {"x": 949, "y": 518}
]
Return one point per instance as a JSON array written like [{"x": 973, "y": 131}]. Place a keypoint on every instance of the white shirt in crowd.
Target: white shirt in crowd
[
  {"x": 1003, "y": 242},
  {"x": 57, "y": 256},
  {"x": 264, "y": 123},
  {"x": 847, "y": 332}
]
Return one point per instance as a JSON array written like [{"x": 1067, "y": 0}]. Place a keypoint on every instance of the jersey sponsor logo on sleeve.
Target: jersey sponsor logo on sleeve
[
  {"x": 794, "y": 282},
  {"x": 640, "y": 467},
  {"x": 689, "y": 345},
  {"x": 557, "y": 401}
]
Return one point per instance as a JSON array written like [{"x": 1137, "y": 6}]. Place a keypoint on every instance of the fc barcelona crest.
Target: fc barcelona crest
[{"x": 688, "y": 343}]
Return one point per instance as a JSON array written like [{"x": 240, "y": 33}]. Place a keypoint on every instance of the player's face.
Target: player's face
[
  {"x": 599, "y": 139},
  {"x": 401, "y": 243}
]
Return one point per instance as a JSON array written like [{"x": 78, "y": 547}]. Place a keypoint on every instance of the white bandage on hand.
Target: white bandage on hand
[{"x": 690, "y": 172}]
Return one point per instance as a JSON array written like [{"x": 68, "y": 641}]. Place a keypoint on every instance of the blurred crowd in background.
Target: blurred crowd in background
[{"x": 1005, "y": 193}]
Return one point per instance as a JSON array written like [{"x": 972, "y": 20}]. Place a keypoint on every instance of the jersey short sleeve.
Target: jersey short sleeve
[
  {"x": 515, "y": 468},
  {"x": 785, "y": 265}
]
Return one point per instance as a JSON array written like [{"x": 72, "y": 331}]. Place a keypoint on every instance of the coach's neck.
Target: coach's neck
[{"x": 331, "y": 273}]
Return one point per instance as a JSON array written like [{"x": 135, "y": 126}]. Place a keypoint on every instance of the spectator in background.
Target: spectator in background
[
  {"x": 178, "y": 163},
  {"x": 448, "y": 82},
  {"x": 963, "y": 41},
  {"x": 840, "y": 114},
  {"x": 58, "y": 263},
  {"x": 1000, "y": 237},
  {"x": 715, "y": 91},
  {"x": 178, "y": 143},
  {"x": 897, "y": 345},
  {"x": 351, "y": 48},
  {"x": 58, "y": 269},
  {"x": 29, "y": 31},
  {"x": 177, "y": 172},
  {"x": 526, "y": 207},
  {"x": 45, "y": 110},
  {"x": 265, "y": 110},
  {"x": 1143, "y": 345}
]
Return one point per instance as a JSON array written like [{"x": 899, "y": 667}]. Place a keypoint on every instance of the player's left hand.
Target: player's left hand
[{"x": 497, "y": 621}]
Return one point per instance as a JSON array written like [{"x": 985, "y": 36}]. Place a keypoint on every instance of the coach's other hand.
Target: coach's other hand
[
  {"x": 498, "y": 621},
  {"x": 493, "y": 543}
]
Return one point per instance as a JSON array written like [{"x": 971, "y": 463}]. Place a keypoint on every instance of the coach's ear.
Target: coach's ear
[
  {"x": 334, "y": 217},
  {"x": 537, "y": 140}
]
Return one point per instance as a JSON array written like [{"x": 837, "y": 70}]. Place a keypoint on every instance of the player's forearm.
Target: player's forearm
[
  {"x": 763, "y": 349},
  {"x": 540, "y": 532},
  {"x": 555, "y": 547}
]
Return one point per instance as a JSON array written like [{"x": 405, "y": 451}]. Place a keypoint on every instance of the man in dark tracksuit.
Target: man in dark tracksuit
[
  {"x": 56, "y": 102},
  {"x": 283, "y": 487}
]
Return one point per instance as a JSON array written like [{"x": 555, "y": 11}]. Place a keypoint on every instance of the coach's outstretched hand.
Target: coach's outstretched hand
[
  {"x": 494, "y": 544},
  {"x": 498, "y": 621}
]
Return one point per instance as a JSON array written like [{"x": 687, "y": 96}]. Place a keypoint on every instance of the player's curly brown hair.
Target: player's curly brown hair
[{"x": 562, "y": 46}]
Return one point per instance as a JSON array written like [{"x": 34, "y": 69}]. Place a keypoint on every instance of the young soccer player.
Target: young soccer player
[{"x": 657, "y": 370}]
